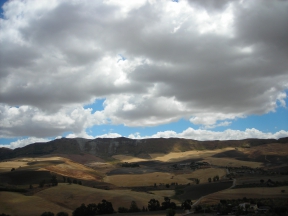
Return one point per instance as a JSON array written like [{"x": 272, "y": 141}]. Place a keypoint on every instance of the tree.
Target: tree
[
  {"x": 170, "y": 212},
  {"x": 105, "y": 207},
  {"x": 123, "y": 210},
  {"x": 91, "y": 209},
  {"x": 186, "y": 205},
  {"x": 62, "y": 214},
  {"x": 42, "y": 183},
  {"x": 79, "y": 182},
  {"x": 216, "y": 178},
  {"x": 13, "y": 169},
  {"x": 74, "y": 181},
  {"x": 64, "y": 179},
  {"x": 47, "y": 214},
  {"x": 197, "y": 181},
  {"x": 209, "y": 179},
  {"x": 153, "y": 205},
  {"x": 54, "y": 181},
  {"x": 69, "y": 180},
  {"x": 262, "y": 181},
  {"x": 80, "y": 211},
  {"x": 167, "y": 204},
  {"x": 134, "y": 207}
]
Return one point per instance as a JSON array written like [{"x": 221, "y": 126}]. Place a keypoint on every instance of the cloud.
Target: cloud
[
  {"x": 201, "y": 134},
  {"x": 23, "y": 142},
  {"x": 189, "y": 133},
  {"x": 205, "y": 61}
]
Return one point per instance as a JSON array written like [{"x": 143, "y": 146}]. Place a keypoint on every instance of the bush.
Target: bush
[
  {"x": 62, "y": 214},
  {"x": 153, "y": 205},
  {"x": 134, "y": 207},
  {"x": 123, "y": 210},
  {"x": 47, "y": 214},
  {"x": 170, "y": 212}
]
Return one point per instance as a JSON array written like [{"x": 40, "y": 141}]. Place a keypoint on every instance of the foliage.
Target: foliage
[
  {"x": 62, "y": 214},
  {"x": 54, "y": 181},
  {"x": 170, "y": 212},
  {"x": 42, "y": 183},
  {"x": 186, "y": 205},
  {"x": 134, "y": 207},
  {"x": 69, "y": 180},
  {"x": 13, "y": 169},
  {"x": 47, "y": 214},
  {"x": 126, "y": 164},
  {"x": 216, "y": 178},
  {"x": 104, "y": 207},
  {"x": 13, "y": 189},
  {"x": 123, "y": 210},
  {"x": 153, "y": 205},
  {"x": 80, "y": 211},
  {"x": 167, "y": 204}
]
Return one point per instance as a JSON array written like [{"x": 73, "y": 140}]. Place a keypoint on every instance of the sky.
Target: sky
[{"x": 201, "y": 69}]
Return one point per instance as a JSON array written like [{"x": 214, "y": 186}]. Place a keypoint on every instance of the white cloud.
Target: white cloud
[
  {"x": 207, "y": 61},
  {"x": 23, "y": 142},
  {"x": 201, "y": 134},
  {"x": 189, "y": 133}
]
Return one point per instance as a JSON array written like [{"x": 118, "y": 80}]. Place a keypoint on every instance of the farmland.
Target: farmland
[{"x": 180, "y": 175}]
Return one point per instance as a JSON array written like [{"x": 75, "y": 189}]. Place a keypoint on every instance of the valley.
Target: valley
[{"x": 120, "y": 171}]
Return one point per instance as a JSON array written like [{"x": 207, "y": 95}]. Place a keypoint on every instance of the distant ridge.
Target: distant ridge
[{"x": 107, "y": 147}]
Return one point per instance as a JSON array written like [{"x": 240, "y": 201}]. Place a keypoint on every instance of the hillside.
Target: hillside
[{"x": 141, "y": 148}]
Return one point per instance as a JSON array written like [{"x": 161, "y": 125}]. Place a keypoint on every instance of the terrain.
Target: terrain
[{"x": 104, "y": 169}]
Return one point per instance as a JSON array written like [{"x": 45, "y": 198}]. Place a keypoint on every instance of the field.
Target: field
[
  {"x": 261, "y": 192},
  {"x": 19, "y": 204},
  {"x": 107, "y": 179}
]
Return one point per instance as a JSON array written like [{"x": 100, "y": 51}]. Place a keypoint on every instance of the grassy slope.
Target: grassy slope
[
  {"x": 72, "y": 196},
  {"x": 20, "y": 205},
  {"x": 273, "y": 192}
]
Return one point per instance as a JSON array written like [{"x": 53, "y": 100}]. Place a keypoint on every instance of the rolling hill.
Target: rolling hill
[{"x": 107, "y": 147}]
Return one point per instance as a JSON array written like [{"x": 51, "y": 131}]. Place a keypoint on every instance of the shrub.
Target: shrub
[
  {"x": 170, "y": 212},
  {"x": 62, "y": 214},
  {"x": 47, "y": 214},
  {"x": 123, "y": 210}
]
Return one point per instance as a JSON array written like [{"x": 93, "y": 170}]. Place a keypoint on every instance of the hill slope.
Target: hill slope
[{"x": 107, "y": 147}]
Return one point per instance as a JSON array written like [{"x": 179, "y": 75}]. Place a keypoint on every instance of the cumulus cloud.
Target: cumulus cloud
[
  {"x": 202, "y": 134},
  {"x": 189, "y": 133},
  {"x": 153, "y": 62},
  {"x": 26, "y": 141}
]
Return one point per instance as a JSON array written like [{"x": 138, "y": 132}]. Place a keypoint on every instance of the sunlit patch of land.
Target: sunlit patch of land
[
  {"x": 240, "y": 193},
  {"x": 73, "y": 196},
  {"x": 204, "y": 174},
  {"x": 75, "y": 170},
  {"x": 232, "y": 162},
  {"x": 19, "y": 204},
  {"x": 179, "y": 156},
  {"x": 147, "y": 179},
  {"x": 172, "y": 156}
]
